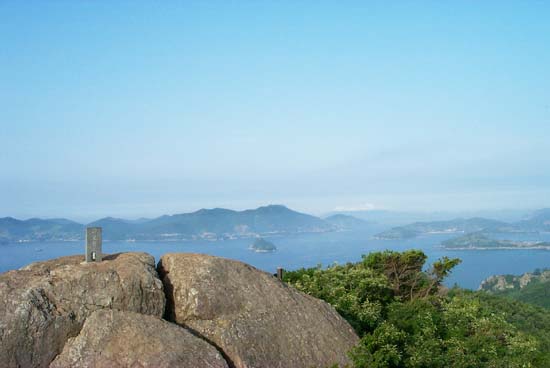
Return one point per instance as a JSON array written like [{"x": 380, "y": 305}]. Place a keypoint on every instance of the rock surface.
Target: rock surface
[
  {"x": 116, "y": 339},
  {"x": 254, "y": 318},
  {"x": 44, "y": 304}
]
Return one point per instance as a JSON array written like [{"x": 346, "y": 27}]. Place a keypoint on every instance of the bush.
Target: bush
[{"x": 406, "y": 318}]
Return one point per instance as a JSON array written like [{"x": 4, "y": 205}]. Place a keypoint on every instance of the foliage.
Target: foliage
[
  {"x": 405, "y": 319},
  {"x": 529, "y": 319},
  {"x": 357, "y": 292},
  {"x": 531, "y": 288},
  {"x": 536, "y": 292}
]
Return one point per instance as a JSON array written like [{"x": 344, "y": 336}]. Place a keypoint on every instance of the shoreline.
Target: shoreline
[{"x": 499, "y": 248}]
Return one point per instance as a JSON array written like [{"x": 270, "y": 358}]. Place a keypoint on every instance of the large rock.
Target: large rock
[
  {"x": 45, "y": 303},
  {"x": 116, "y": 339},
  {"x": 254, "y": 318}
]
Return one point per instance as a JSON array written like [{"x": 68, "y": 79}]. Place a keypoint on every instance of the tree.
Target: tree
[{"x": 404, "y": 272}]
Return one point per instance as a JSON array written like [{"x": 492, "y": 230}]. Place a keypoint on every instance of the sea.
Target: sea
[{"x": 307, "y": 250}]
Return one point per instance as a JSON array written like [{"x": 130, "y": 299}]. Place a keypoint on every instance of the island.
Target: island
[
  {"x": 458, "y": 225},
  {"x": 480, "y": 241},
  {"x": 261, "y": 245},
  {"x": 398, "y": 233}
]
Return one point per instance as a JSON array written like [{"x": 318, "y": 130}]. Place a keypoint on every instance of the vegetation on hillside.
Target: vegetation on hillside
[
  {"x": 537, "y": 293},
  {"x": 406, "y": 318},
  {"x": 531, "y": 288}
]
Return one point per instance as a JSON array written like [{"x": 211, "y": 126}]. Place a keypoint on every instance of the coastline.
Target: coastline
[{"x": 499, "y": 248}]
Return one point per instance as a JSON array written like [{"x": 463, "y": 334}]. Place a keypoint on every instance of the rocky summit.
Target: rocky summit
[
  {"x": 218, "y": 313},
  {"x": 257, "y": 320},
  {"x": 45, "y": 303}
]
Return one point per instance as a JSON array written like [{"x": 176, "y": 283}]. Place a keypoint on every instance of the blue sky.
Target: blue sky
[{"x": 143, "y": 108}]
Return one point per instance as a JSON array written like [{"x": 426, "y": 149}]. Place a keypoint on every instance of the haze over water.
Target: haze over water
[{"x": 306, "y": 250}]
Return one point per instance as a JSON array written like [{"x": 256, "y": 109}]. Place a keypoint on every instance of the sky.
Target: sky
[{"x": 134, "y": 109}]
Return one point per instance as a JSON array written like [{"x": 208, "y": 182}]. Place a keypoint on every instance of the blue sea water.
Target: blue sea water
[{"x": 305, "y": 250}]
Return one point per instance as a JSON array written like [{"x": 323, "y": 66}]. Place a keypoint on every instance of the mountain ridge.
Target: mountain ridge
[{"x": 211, "y": 224}]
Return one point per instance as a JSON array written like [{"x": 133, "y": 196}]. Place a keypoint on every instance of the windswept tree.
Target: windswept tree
[{"x": 404, "y": 271}]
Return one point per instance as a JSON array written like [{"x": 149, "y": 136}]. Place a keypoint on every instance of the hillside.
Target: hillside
[
  {"x": 215, "y": 223},
  {"x": 406, "y": 319},
  {"x": 39, "y": 230},
  {"x": 531, "y": 287}
]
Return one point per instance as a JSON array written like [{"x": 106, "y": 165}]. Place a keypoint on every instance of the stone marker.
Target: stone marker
[
  {"x": 93, "y": 244},
  {"x": 280, "y": 273}
]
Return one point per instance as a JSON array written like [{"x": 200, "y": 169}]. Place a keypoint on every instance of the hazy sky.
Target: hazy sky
[{"x": 145, "y": 108}]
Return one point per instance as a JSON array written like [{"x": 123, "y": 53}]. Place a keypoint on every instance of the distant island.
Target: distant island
[
  {"x": 205, "y": 224},
  {"x": 261, "y": 245},
  {"x": 398, "y": 233},
  {"x": 443, "y": 227},
  {"x": 480, "y": 241},
  {"x": 538, "y": 221}
]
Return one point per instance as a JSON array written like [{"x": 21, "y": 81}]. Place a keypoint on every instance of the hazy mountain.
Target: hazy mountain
[
  {"x": 274, "y": 219},
  {"x": 399, "y": 218},
  {"x": 219, "y": 222},
  {"x": 203, "y": 224},
  {"x": 116, "y": 229},
  {"x": 346, "y": 222},
  {"x": 39, "y": 229},
  {"x": 536, "y": 221},
  {"x": 386, "y": 217},
  {"x": 480, "y": 240},
  {"x": 452, "y": 226}
]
